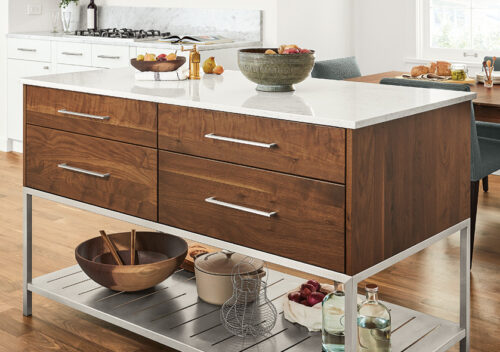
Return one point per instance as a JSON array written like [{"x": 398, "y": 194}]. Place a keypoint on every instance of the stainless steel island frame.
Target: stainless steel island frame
[{"x": 181, "y": 321}]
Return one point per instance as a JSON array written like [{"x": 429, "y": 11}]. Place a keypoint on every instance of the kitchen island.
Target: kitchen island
[{"x": 339, "y": 179}]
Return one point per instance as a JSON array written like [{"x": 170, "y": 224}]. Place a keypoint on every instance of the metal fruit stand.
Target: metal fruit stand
[{"x": 172, "y": 314}]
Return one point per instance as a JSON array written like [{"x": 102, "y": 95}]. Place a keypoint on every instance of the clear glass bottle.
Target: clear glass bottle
[
  {"x": 374, "y": 323},
  {"x": 333, "y": 320}
]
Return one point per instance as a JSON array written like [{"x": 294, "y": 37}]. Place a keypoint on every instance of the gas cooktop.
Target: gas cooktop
[{"x": 123, "y": 33}]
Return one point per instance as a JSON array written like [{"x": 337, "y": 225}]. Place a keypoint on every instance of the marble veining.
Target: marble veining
[
  {"x": 319, "y": 101},
  {"x": 235, "y": 24}
]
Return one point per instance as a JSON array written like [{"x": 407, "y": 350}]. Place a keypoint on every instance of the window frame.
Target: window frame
[{"x": 423, "y": 40}]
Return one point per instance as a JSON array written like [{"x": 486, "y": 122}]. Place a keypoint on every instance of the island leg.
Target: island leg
[
  {"x": 351, "y": 315},
  {"x": 465, "y": 249},
  {"x": 27, "y": 253}
]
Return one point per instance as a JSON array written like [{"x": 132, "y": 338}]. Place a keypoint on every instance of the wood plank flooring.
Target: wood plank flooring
[{"x": 427, "y": 281}]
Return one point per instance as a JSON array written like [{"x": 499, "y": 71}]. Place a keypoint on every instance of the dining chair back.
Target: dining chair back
[
  {"x": 337, "y": 69},
  {"x": 485, "y": 152}
]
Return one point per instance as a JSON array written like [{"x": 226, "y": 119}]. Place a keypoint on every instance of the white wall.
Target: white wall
[
  {"x": 384, "y": 34},
  {"x": 19, "y": 21},
  {"x": 322, "y": 25},
  {"x": 4, "y": 28}
]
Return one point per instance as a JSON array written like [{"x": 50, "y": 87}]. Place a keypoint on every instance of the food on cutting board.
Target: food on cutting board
[
  {"x": 419, "y": 70},
  {"x": 288, "y": 49},
  {"x": 440, "y": 68},
  {"x": 209, "y": 65}
]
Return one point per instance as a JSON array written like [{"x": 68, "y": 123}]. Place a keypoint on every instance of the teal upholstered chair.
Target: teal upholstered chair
[
  {"x": 485, "y": 148},
  {"x": 497, "y": 67},
  {"x": 337, "y": 69},
  {"x": 488, "y": 126}
]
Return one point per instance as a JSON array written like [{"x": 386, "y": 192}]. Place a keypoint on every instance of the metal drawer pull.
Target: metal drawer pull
[
  {"x": 108, "y": 57},
  {"x": 82, "y": 171},
  {"x": 26, "y": 49},
  {"x": 95, "y": 117},
  {"x": 239, "y": 207},
  {"x": 71, "y": 54},
  {"x": 240, "y": 141}
]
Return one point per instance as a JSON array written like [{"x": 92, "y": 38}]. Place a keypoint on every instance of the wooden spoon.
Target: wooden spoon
[
  {"x": 111, "y": 247},
  {"x": 132, "y": 247}
]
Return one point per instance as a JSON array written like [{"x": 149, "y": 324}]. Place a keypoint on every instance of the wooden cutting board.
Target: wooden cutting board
[
  {"x": 467, "y": 81},
  {"x": 194, "y": 250}
]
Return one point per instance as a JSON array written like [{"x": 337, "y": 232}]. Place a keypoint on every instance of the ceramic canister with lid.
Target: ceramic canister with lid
[{"x": 214, "y": 274}]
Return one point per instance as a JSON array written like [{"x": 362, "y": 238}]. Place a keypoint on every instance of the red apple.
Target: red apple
[
  {"x": 309, "y": 286},
  {"x": 305, "y": 51},
  {"x": 161, "y": 55},
  {"x": 315, "y": 298},
  {"x": 294, "y": 296},
  {"x": 291, "y": 51},
  {"x": 315, "y": 283}
]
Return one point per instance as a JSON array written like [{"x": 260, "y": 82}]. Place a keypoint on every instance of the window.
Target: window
[{"x": 460, "y": 29}]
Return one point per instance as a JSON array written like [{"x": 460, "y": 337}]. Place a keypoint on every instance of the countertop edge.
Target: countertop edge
[{"x": 317, "y": 120}]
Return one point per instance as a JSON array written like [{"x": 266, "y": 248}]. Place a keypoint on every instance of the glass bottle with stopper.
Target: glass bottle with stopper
[
  {"x": 374, "y": 323},
  {"x": 333, "y": 312}
]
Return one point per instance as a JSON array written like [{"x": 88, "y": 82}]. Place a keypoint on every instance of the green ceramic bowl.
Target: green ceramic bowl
[{"x": 275, "y": 73}]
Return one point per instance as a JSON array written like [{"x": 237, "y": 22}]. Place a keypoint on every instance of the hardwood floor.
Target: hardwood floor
[{"x": 427, "y": 281}]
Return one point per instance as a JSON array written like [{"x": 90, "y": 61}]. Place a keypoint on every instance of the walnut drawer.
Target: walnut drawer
[
  {"x": 291, "y": 147},
  {"x": 108, "y": 117},
  {"x": 124, "y": 176},
  {"x": 308, "y": 225}
]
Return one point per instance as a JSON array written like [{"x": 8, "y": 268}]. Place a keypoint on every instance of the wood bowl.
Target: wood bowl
[
  {"x": 158, "y": 66},
  {"x": 158, "y": 256}
]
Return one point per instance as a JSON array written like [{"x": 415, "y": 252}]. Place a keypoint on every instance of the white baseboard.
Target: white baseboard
[
  {"x": 17, "y": 146},
  {"x": 5, "y": 145}
]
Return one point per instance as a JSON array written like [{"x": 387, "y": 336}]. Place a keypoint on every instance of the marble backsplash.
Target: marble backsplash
[{"x": 234, "y": 24}]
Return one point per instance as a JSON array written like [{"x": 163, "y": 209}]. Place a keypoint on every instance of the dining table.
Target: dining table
[{"x": 486, "y": 105}]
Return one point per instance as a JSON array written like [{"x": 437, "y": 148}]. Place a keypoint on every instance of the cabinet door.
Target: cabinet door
[{"x": 18, "y": 69}]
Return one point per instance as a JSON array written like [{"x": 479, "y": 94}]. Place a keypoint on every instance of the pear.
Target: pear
[{"x": 209, "y": 65}]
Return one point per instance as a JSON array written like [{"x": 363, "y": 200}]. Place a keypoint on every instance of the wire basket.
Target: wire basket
[{"x": 249, "y": 312}]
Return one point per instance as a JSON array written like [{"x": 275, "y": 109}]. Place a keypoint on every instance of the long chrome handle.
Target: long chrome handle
[
  {"x": 239, "y": 207},
  {"x": 240, "y": 141},
  {"x": 82, "y": 171},
  {"x": 95, "y": 117},
  {"x": 71, "y": 54},
  {"x": 108, "y": 57},
  {"x": 26, "y": 49}
]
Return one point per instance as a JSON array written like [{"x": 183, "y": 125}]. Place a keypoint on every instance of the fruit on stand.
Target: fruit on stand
[
  {"x": 161, "y": 57},
  {"x": 218, "y": 70},
  {"x": 209, "y": 65},
  {"x": 171, "y": 57},
  {"x": 270, "y": 52},
  {"x": 149, "y": 57},
  {"x": 140, "y": 57}
]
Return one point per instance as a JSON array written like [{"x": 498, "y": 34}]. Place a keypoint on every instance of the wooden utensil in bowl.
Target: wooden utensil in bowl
[{"x": 158, "y": 66}]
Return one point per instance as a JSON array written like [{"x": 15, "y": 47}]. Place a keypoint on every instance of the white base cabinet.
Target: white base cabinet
[{"x": 18, "y": 69}]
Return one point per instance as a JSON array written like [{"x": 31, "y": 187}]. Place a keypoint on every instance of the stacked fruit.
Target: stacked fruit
[
  {"x": 161, "y": 57},
  {"x": 309, "y": 294},
  {"x": 288, "y": 49}
]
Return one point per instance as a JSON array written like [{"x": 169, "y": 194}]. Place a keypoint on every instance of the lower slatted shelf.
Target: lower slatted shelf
[{"x": 172, "y": 314}]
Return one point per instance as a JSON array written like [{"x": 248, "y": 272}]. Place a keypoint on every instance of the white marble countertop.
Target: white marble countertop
[
  {"x": 126, "y": 42},
  {"x": 318, "y": 101}
]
